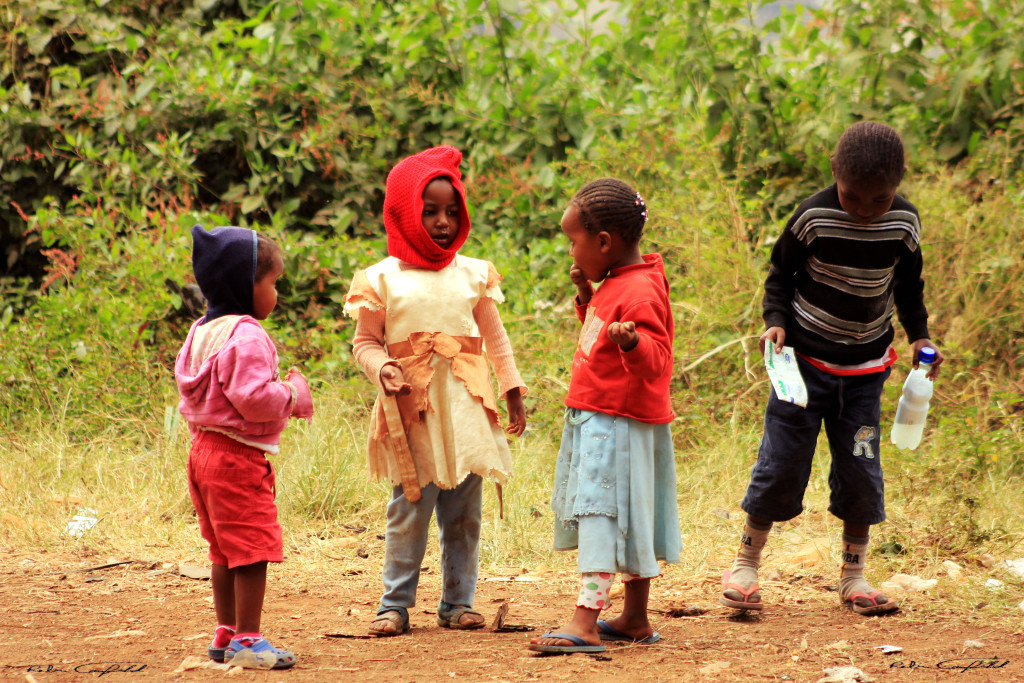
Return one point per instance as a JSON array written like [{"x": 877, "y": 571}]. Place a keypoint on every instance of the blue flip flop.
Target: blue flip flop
[
  {"x": 579, "y": 645},
  {"x": 609, "y": 632}
]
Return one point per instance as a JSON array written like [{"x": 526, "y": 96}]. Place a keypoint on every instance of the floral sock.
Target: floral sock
[
  {"x": 851, "y": 577},
  {"x": 223, "y": 635},
  {"x": 748, "y": 559},
  {"x": 594, "y": 587}
]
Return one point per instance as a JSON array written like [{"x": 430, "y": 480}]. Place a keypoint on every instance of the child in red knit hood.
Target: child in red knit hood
[{"x": 424, "y": 316}]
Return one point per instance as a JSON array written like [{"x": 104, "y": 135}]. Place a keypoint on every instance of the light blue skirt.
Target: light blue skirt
[{"x": 615, "y": 494}]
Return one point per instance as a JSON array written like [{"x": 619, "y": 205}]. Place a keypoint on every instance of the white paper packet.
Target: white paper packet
[{"x": 785, "y": 375}]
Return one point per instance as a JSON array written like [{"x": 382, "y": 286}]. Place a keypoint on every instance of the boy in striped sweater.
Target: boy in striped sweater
[{"x": 848, "y": 259}]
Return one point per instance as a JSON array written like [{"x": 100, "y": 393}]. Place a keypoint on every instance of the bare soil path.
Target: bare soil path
[{"x": 141, "y": 621}]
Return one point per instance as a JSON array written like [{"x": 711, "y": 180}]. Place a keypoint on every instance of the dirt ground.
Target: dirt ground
[{"x": 61, "y": 619}]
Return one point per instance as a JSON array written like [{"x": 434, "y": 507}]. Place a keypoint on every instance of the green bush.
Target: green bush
[
  {"x": 123, "y": 124},
  {"x": 264, "y": 109}
]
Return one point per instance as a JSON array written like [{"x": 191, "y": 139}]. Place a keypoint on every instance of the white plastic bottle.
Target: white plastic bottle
[{"x": 913, "y": 406}]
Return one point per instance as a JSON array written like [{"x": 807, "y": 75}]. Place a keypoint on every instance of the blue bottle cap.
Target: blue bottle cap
[{"x": 926, "y": 355}]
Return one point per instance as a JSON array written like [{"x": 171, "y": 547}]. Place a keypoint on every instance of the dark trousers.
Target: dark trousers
[{"x": 850, "y": 407}]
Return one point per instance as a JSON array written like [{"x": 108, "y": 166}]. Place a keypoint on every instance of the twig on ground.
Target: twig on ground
[{"x": 92, "y": 569}]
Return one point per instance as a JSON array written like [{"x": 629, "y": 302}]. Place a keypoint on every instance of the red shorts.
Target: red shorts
[{"x": 232, "y": 487}]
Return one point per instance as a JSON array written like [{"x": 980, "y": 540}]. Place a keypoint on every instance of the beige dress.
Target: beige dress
[{"x": 451, "y": 418}]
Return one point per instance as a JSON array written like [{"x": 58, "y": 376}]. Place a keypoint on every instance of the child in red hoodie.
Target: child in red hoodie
[
  {"x": 615, "y": 482},
  {"x": 237, "y": 406}
]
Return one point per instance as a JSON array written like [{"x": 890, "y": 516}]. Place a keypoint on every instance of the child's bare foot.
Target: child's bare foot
[
  {"x": 579, "y": 635},
  {"x": 590, "y": 637},
  {"x": 567, "y": 640},
  {"x": 624, "y": 628}
]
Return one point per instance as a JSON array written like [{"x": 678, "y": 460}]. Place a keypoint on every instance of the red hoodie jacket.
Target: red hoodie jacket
[{"x": 632, "y": 383}]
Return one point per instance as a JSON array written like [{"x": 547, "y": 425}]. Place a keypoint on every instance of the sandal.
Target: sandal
[
  {"x": 399, "y": 616},
  {"x": 874, "y": 608},
  {"x": 450, "y": 616},
  {"x": 217, "y": 653},
  {"x": 259, "y": 655},
  {"x": 578, "y": 645},
  {"x": 746, "y": 603}
]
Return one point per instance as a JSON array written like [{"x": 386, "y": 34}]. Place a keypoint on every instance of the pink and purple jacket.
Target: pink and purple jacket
[{"x": 228, "y": 381}]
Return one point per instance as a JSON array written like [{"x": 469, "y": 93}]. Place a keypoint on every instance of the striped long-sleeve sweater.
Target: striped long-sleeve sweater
[{"x": 834, "y": 283}]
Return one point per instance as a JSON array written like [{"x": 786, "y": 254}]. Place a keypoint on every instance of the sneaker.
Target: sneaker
[{"x": 259, "y": 655}]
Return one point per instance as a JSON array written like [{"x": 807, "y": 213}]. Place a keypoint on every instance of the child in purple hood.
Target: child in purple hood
[{"x": 236, "y": 406}]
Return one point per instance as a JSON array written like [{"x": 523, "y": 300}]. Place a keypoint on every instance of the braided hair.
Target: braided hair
[
  {"x": 610, "y": 205},
  {"x": 869, "y": 150}
]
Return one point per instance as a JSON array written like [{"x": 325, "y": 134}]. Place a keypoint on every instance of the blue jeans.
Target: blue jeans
[
  {"x": 850, "y": 406},
  {"x": 458, "y": 513}
]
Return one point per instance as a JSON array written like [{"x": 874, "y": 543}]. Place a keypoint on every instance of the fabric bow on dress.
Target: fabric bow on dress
[{"x": 416, "y": 357}]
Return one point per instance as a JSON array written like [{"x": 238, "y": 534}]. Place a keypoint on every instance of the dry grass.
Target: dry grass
[
  {"x": 333, "y": 516},
  {"x": 957, "y": 498}
]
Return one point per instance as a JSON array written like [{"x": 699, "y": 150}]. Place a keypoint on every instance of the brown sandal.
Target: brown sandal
[
  {"x": 399, "y": 616},
  {"x": 450, "y": 616}
]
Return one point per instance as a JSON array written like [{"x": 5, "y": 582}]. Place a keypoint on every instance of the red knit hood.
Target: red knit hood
[{"x": 408, "y": 240}]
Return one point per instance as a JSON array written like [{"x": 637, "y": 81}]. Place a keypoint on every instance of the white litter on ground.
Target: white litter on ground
[
  {"x": 889, "y": 649},
  {"x": 1015, "y": 567},
  {"x": 714, "y": 668},
  {"x": 845, "y": 674},
  {"x": 953, "y": 570},
  {"x": 196, "y": 662},
  {"x": 908, "y": 582},
  {"x": 84, "y": 519}
]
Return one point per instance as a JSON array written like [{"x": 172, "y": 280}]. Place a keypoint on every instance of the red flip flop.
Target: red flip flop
[
  {"x": 728, "y": 585},
  {"x": 874, "y": 608}
]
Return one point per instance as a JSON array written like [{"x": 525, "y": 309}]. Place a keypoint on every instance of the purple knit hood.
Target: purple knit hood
[{"x": 224, "y": 264}]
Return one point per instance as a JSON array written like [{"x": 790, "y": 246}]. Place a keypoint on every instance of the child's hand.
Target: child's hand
[
  {"x": 516, "y": 412},
  {"x": 577, "y": 276},
  {"x": 933, "y": 372},
  {"x": 583, "y": 286},
  {"x": 393, "y": 381},
  {"x": 624, "y": 334},
  {"x": 775, "y": 335},
  {"x": 303, "y": 398}
]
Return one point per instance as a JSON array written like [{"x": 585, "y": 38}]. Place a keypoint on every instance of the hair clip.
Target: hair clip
[{"x": 639, "y": 201}]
